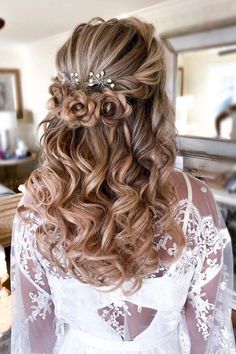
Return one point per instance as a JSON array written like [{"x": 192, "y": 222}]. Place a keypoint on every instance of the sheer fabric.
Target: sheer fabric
[{"x": 181, "y": 308}]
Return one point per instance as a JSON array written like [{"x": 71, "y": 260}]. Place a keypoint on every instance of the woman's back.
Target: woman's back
[
  {"x": 181, "y": 307},
  {"x": 113, "y": 251}
]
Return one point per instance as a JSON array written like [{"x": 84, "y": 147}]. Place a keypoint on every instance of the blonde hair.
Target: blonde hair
[{"x": 103, "y": 190}]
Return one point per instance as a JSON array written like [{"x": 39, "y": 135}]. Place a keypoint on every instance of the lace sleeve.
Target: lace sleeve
[
  {"x": 32, "y": 307},
  {"x": 208, "y": 306}
]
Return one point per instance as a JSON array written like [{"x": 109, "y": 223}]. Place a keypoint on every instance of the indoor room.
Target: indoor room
[{"x": 104, "y": 126}]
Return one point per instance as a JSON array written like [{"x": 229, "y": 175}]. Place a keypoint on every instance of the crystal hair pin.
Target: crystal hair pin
[{"x": 99, "y": 79}]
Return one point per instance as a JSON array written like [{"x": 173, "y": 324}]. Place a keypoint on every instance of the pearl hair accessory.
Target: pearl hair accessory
[
  {"x": 74, "y": 79},
  {"x": 94, "y": 79},
  {"x": 99, "y": 79}
]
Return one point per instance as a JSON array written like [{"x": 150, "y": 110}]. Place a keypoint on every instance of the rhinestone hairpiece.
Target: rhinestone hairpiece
[{"x": 99, "y": 79}]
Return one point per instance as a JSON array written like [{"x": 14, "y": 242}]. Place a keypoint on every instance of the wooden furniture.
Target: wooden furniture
[
  {"x": 234, "y": 318},
  {"x": 14, "y": 172},
  {"x": 8, "y": 205},
  {"x": 14, "y": 162}
]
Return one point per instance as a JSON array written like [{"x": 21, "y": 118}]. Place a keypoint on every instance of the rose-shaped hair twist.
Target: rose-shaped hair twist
[
  {"x": 58, "y": 92},
  {"x": 81, "y": 108},
  {"x": 111, "y": 106},
  {"x": 78, "y": 110}
]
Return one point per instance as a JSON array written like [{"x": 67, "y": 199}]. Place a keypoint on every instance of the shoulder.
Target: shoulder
[
  {"x": 26, "y": 212},
  {"x": 202, "y": 195},
  {"x": 204, "y": 202},
  {"x": 25, "y": 223},
  {"x": 198, "y": 185},
  {"x": 198, "y": 193},
  {"x": 179, "y": 177},
  {"x": 25, "y": 199},
  {"x": 188, "y": 186}
]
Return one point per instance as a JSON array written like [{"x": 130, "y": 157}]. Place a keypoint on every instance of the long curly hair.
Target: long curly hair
[{"x": 103, "y": 189}]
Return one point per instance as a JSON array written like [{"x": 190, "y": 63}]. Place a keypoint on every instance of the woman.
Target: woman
[{"x": 113, "y": 250}]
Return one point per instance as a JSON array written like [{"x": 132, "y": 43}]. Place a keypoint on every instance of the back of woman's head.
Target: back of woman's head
[{"x": 109, "y": 147}]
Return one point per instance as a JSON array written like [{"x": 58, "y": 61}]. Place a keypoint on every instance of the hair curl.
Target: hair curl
[{"x": 103, "y": 189}]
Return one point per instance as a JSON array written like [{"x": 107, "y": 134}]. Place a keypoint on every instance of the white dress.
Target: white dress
[{"x": 181, "y": 309}]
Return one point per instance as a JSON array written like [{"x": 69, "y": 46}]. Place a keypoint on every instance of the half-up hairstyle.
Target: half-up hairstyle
[{"x": 103, "y": 190}]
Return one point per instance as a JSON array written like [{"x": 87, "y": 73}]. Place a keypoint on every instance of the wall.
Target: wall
[
  {"x": 12, "y": 58},
  {"x": 36, "y": 64}
]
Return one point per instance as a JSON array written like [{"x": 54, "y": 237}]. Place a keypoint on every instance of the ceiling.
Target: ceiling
[{"x": 29, "y": 20}]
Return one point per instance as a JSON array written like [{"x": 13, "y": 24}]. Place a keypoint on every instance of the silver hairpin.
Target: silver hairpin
[{"x": 99, "y": 79}]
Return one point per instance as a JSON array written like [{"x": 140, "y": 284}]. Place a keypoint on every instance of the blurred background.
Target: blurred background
[{"x": 199, "y": 38}]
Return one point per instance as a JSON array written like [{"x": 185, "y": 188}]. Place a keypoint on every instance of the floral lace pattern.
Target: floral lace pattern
[
  {"x": 42, "y": 305},
  {"x": 25, "y": 251},
  {"x": 172, "y": 299},
  {"x": 114, "y": 315},
  {"x": 203, "y": 242}
]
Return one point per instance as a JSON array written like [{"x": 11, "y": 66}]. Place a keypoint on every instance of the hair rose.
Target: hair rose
[{"x": 111, "y": 106}]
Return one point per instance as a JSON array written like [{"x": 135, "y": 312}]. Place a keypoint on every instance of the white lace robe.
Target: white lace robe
[{"x": 183, "y": 308}]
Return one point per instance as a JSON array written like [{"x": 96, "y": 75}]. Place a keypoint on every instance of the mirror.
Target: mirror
[
  {"x": 206, "y": 93},
  {"x": 204, "y": 85}
]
